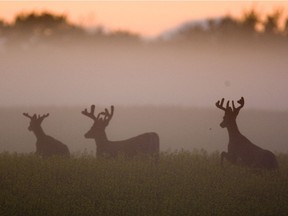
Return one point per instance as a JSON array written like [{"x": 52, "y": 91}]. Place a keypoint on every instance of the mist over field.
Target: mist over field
[
  {"x": 179, "y": 128},
  {"x": 144, "y": 75},
  {"x": 167, "y": 89}
]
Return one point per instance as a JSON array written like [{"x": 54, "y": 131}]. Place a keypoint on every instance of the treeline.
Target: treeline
[
  {"x": 36, "y": 28},
  {"x": 249, "y": 28}
]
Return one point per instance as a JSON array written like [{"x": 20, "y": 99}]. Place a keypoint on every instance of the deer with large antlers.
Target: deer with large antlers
[
  {"x": 144, "y": 144},
  {"x": 241, "y": 150},
  {"x": 45, "y": 145}
]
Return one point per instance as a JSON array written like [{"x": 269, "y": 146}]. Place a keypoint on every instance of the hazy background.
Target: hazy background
[
  {"x": 168, "y": 85},
  {"x": 179, "y": 128},
  {"x": 144, "y": 75}
]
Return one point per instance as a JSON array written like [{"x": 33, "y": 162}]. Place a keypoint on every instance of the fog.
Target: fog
[
  {"x": 171, "y": 90},
  {"x": 179, "y": 128},
  {"x": 143, "y": 75}
]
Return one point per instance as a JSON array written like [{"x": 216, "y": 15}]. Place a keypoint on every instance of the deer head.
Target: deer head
[
  {"x": 231, "y": 113},
  {"x": 100, "y": 122},
  {"x": 35, "y": 121}
]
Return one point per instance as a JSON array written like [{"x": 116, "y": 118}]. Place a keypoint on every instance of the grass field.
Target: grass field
[{"x": 181, "y": 183}]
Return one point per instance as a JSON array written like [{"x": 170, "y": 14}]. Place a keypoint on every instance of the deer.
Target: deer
[
  {"x": 46, "y": 146},
  {"x": 146, "y": 144},
  {"x": 241, "y": 151}
]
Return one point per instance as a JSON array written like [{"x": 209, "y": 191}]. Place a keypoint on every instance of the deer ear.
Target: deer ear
[{"x": 34, "y": 116}]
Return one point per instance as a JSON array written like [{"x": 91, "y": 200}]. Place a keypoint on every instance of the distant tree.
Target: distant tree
[
  {"x": 193, "y": 32},
  {"x": 2, "y": 24},
  {"x": 45, "y": 19},
  {"x": 33, "y": 28},
  {"x": 250, "y": 21},
  {"x": 271, "y": 24},
  {"x": 42, "y": 26},
  {"x": 213, "y": 31},
  {"x": 228, "y": 26},
  {"x": 227, "y": 29},
  {"x": 3, "y": 27},
  {"x": 285, "y": 31},
  {"x": 222, "y": 29},
  {"x": 44, "y": 23},
  {"x": 123, "y": 36}
]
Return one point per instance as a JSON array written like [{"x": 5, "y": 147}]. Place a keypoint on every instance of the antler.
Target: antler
[
  {"x": 234, "y": 109},
  {"x": 39, "y": 117},
  {"x": 108, "y": 116},
  {"x": 27, "y": 115},
  {"x": 219, "y": 104},
  {"x": 241, "y": 102},
  {"x": 43, "y": 116},
  {"x": 91, "y": 113}
]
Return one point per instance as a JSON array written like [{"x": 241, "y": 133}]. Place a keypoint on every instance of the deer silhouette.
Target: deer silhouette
[
  {"x": 144, "y": 144},
  {"x": 45, "y": 145},
  {"x": 241, "y": 150}
]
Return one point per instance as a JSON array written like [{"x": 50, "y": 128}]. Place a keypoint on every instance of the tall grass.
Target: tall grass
[{"x": 181, "y": 183}]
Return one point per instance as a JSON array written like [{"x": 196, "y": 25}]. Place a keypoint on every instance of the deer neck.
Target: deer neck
[
  {"x": 101, "y": 138},
  {"x": 233, "y": 131},
  {"x": 39, "y": 132}
]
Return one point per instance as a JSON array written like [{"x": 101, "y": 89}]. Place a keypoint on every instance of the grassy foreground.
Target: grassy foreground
[{"x": 180, "y": 184}]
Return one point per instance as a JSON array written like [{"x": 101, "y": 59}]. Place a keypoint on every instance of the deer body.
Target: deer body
[
  {"x": 144, "y": 144},
  {"x": 45, "y": 145},
  {"x": 49, "y": 146},
  {"x": 240, "y": 149}
]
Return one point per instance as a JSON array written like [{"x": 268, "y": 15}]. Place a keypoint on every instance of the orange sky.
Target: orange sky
[{"x": 148, "y": 18}]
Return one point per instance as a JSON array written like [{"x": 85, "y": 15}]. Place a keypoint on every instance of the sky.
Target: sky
[{"x": 148, "y": 18}]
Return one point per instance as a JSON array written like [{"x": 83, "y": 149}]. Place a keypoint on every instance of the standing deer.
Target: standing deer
[
  {"x": 144, "y": 144},
  {"x": 45, "y": 145},
  {"x": 240, "y": 149}
]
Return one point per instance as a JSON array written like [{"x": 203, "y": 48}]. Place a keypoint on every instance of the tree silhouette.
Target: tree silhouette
[
  {"x": 228, "y": 28},
  {"x": 250, "y": 21},
  {"x": 124, "y": 36},
  {"x": 285, "y": 31},
  {"x": 39, "y": 27},
  {"x": 3, "y": 27},
  {"x": 248, "y": 29},
  {"x": 271, "y": 24},
  {"x": 36, "y": 28}
]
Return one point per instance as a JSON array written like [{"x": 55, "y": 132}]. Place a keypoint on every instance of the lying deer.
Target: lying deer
[
  {"x": 45, "y": 145},
  {"x": 241, "y": 150},
  {"x": 144, "y": 144}
]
